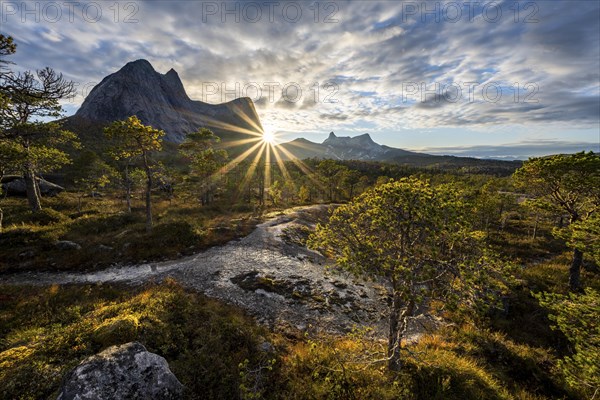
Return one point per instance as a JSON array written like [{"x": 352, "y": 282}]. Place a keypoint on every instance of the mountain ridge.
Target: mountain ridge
[
  {"x": 361, "y": 147},
  {"x": 160, "y": 100}
]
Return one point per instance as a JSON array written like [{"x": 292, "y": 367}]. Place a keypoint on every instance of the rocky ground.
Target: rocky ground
[{"x": 269, "y": 273}]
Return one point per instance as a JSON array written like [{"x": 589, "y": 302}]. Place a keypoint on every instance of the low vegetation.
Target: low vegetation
[
  {"x": 219, "y": 353},
  {"x": 109, "y": 235}
]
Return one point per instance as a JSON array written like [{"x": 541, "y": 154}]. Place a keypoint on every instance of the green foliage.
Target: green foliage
[
  {"x": 350, "y": 180},
  {"x": 10, "y": 156},
  {"x": 576, "y": 316},
  {"x": 180, "y": 233},
  {"x": 583, "y": 235},
  {"x": 412, "y": 234},
  {"x": 199, "y": 148},
  {"x": 132, "y": 138},
  {"x": 7, "y": 46},
  {"x": 99, "y": 224},
  {"x": 90, "y": 173},
  {"x": 38, "y": 145},
  {"x": 331, "y": 173},
  {"x": 276, "y": 193},
  {"x": 418, "y": 238},
  {"x": 204, "y": 161},
  {"x": 303, "y": 194},
  {"x": 25, "y": 100},
  {"x": 570, "y": 182},
  {"x": 46, "y": 217}
]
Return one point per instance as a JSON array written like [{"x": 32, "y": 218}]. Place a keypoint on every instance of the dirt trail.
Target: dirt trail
[{"x": 279, "y": 282}]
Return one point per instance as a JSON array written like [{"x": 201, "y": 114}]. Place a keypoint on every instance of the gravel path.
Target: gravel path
[{"x": 281, "y": 283}]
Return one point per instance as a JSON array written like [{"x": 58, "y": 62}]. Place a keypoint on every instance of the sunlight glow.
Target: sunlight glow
[
  {"x": 262, "y": 150},
  {"x": 268, "y": 137}
]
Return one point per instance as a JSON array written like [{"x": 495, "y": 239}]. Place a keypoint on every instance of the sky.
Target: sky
[{"x": 500, "y": 79}]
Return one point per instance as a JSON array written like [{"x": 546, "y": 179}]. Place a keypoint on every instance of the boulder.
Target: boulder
[
  {"x": 104, "y": 248},
  {"x": 15, "y": 186},
  {"x": 67, "y": 245},
  {"x": 128, "y": 371}
]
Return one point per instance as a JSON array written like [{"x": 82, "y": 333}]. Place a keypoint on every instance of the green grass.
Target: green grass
[{"x": 46, "y": 332}]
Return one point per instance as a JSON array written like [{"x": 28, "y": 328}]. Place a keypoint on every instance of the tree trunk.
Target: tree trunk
[
  {"x": 128, "y": 189},
  {"x": 36, "y": 185},
  {"x": 148, "y": 200},
  {"x": 32, "y": 190},
  {"x": 3, "y": 195},
  {"x": 398, "y": 323},
  {"x": 575, "y": 270}
]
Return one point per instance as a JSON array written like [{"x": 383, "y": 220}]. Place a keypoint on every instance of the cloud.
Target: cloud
[{"x": 543, "y": 60}]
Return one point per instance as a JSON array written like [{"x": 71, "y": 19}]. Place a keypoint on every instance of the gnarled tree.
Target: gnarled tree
[
  {"x": 27, "y": 98},
  {"x": 570, "y": 183},
  {"x": 132, "y": 139},
  {"x": 417, "y": 237}
]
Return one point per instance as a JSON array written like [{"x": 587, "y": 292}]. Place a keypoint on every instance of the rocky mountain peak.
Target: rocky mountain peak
[
  {"x": 361, "y": 147},
  {"x": 347, "y": 141},
  {"x": 138, "y": 66},
  {"x": 172, "y": 78},
  {"x": 160, "y": 100}
]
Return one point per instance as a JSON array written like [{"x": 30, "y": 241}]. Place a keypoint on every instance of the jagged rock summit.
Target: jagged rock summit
[
  {"x": 160, "y": 100},
  {"x": 361, "y": 142},
  {"x": 361, "y": 147}
]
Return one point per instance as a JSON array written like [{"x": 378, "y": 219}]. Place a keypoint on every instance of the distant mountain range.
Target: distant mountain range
[
  {"x": 160, "y": 100},
  {"x": 344, "y": 148},
  {"x": 362, "y": 148}
]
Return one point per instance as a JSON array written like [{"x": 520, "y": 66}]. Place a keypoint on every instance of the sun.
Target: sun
[{"x": 268, "y": 137}]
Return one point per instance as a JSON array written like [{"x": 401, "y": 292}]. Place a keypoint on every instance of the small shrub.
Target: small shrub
[
  {"x": 242, "y": 208},
  {"x": 45, "y": 217},
  {"x": 101, "y": 223},
  {"x": 122, "y": 328},
  {"x": 174, "y": 234}
]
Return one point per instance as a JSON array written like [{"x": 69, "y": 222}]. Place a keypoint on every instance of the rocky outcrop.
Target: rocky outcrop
[
  {"x": 128, "y": 371},
  {"x": 160, "y": 100},
  {"x": 15, "y": 186}
]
